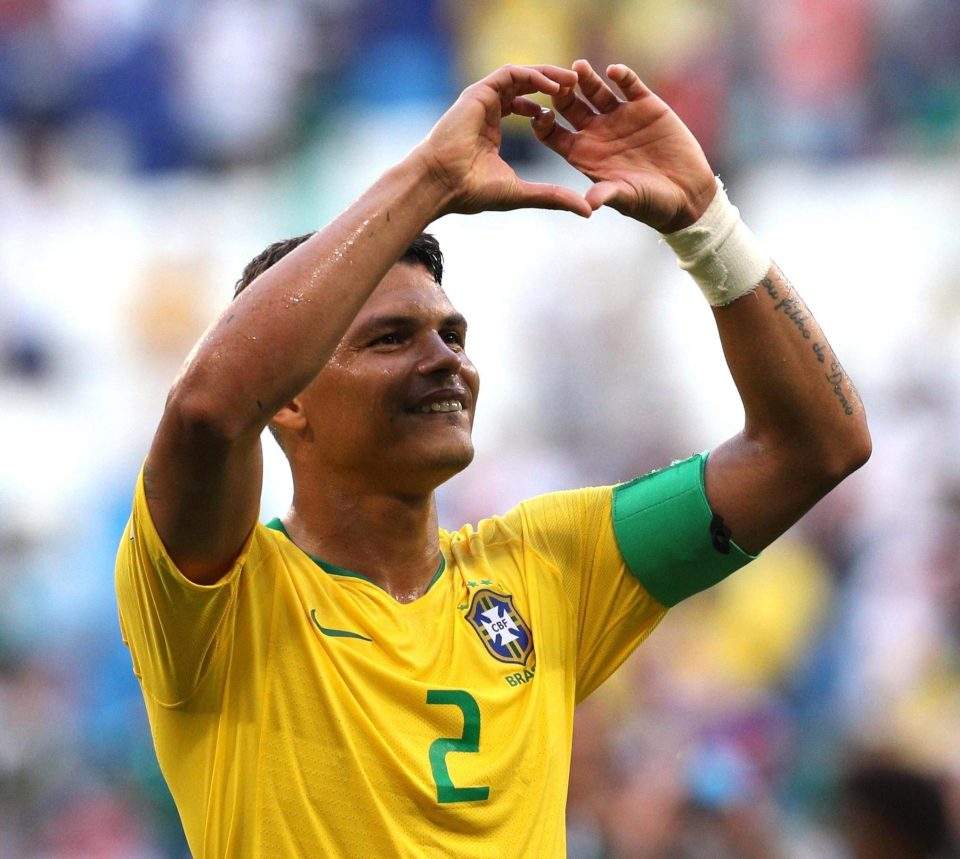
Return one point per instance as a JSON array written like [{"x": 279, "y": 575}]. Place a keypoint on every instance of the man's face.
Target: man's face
[{"x": 395, "y": 403}]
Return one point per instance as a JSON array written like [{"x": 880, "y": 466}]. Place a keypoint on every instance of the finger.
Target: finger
[
  {"x": 551, "y": 133},
  {"x": 509, "y": 81},
  {"x": 594, "y": 88},
  {"x": 539, "y": 195},
  {"x": 601, "y": 194},
  {"x": 628, "y": 82},
  {"x": 564, "y": 77},
  {"x": 523, "y": 106},
  {"x": 572, "y": 108}
]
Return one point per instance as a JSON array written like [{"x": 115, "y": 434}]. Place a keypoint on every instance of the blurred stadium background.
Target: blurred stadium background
[{"x": 149, "y": 148}]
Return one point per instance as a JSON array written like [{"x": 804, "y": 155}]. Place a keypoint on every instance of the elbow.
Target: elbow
[
  {"x": 860, "y": 451},
  {"x": 855, "y": 446},
  {"x": 821, "y": 460},
  {"x": 840, "y": 455},
  {"x": 196, "y": 413}
]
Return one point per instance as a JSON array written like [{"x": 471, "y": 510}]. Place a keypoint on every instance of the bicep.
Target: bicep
[
  {"x": 758, "y": 491},
  {"x": 203, "y": 493}
]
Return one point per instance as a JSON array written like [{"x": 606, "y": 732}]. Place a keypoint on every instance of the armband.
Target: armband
[
  {"x": 721, "y": 254},
  {"x": 669, "y": 537}
]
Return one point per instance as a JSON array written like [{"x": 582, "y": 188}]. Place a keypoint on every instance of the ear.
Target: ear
[{"x": 291, "y": 417}]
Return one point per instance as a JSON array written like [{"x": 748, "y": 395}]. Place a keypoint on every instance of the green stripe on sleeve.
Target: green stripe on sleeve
[{"x": 662, "y": 523}]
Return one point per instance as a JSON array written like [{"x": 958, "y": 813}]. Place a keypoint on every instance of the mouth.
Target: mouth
[
  {"x": 447, "y": 400},
  {"x": 441, "y": 407}
]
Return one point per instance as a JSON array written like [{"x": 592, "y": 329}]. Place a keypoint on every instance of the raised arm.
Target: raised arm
[
  {"x": 804, "y": 427},
  {"x": 203, "y": 472}
]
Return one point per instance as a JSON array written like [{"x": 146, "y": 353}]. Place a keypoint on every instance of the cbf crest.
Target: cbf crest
[{"x": 505, "y": 634}]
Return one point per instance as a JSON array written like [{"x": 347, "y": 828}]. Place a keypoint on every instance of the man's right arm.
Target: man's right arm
[
  {"x": 202, "y": 477},
  {"x": 203, "y": 472}
]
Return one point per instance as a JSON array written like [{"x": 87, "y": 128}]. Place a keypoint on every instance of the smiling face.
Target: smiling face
[{"x": 393, "y": 408}]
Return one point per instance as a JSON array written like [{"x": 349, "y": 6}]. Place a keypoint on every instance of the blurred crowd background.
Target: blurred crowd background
[{"x": 807, "y": 707}]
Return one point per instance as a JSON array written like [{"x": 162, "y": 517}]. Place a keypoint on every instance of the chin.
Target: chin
[
  {"x": 422, "y": 462},
  {"x": 439, "y": 466},
  {"x": 451, "y": 462}
]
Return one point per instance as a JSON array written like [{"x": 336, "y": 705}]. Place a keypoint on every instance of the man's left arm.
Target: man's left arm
[{"x": 805, "y": 428}]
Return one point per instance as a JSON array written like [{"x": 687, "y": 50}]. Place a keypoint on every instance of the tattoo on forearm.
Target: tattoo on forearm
[
  {"x": 835, "y": 377},
  {"x": 799, "y": 315},
  {"x": 838, "y": 379},
  {"x": 792, "y": 306},
  {"x": 769, "y": 286}
]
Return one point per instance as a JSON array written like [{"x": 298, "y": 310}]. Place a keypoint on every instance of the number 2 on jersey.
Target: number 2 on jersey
[{"x": 468, "y": 741}]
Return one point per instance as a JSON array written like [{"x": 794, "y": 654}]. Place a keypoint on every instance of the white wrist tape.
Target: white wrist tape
[{"x": 720, "y": 253}]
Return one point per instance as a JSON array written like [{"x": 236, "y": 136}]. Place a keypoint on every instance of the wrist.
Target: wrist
[
  {"x": 724, "y": 258},
  {"x": 433, "y": 182},
  {"x": 697, "y": 205}
]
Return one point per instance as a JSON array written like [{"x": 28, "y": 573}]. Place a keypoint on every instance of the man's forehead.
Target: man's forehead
[{"x": 407, "y": 290}]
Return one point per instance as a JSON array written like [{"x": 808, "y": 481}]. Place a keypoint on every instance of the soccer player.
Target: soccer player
[{"x": 353, "y": 681}]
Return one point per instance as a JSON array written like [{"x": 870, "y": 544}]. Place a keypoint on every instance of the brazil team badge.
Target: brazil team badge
[{"x": 504, "y": 633}]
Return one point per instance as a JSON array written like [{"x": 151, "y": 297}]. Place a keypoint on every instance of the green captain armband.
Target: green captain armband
[{"x": 668, "y": 535}]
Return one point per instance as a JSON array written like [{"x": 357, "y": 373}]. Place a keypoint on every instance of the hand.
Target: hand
[
  {"x": 463, "y": 149},
  {"x": 643, "y": 159}
]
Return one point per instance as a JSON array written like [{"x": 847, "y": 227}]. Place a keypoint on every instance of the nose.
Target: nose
[{"x": 438, "y": 356}]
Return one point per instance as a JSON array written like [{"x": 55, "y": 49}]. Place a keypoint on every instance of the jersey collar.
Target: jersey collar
[{"x": 276, "y": 525}]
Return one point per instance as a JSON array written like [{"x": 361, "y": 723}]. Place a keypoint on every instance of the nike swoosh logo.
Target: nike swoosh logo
[{"x": 335, "y": 633}]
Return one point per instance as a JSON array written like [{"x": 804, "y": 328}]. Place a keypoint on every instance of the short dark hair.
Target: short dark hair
[{"x": 424, "y": 250}]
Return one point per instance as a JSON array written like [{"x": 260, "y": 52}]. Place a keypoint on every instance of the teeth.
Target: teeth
[{"x": 445, "y": 406}]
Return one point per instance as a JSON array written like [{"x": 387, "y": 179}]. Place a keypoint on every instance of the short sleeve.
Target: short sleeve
[
  {"x": 668, "y": 535},
  {"x": 570, "y": 534},
  {"x": 170, "y": 624}
]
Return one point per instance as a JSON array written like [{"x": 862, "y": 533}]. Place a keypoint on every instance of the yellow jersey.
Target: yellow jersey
[{"x": 299, "y": 710}]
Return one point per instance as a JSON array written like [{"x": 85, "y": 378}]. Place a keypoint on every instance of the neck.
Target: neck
[{"x": 392, "y": 540}]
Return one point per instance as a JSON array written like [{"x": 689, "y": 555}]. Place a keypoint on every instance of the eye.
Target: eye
[
  {"x": 394, "y": 338},
  {"x": 453, "y": 337}
]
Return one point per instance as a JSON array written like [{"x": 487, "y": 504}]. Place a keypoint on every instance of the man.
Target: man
[{"x": 352, "y": 681}]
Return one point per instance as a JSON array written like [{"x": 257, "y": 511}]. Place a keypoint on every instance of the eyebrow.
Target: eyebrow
[{"x": 376, "y": 323}]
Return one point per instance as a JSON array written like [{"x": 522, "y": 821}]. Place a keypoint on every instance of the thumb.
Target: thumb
[
  {"x": 602, "y": 194},
  {"x": 540, "y": 195}
]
